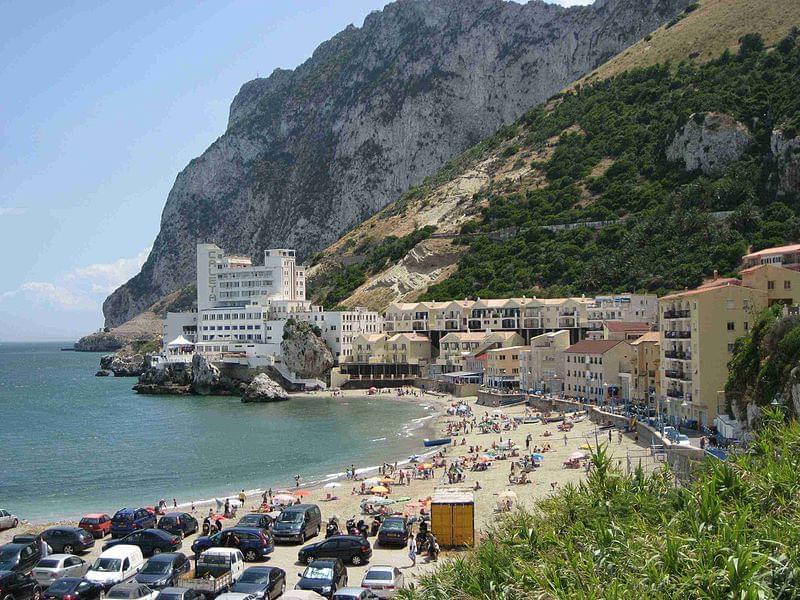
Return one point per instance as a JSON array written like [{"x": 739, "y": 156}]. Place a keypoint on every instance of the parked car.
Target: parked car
[
  {"x": 116, "y": 565},
  {"x": 324, "y": 576},
  {"x": 163, "y": 570},
  {"x": 151, "y": 541},
  {"x": 56, "y": 566},
  {"x": 130, "y": 590},
  {"x": 68, "y": 540},
  {"x": 7, "y": 520},
  {"x": 73, "y": 588},
  {"x": 20, "y": 557},
  {"x": 254, "y": 543},
  {"x": 98, "y": 524},
  {"x": 260, "y": 520},
  {"x": 383, "y": 580},
  {"x": 354, "y": 593},
  {"x": 18, "y": 586},
  {"x": 297, "y": 523},
  {"x": 682, "y": 440},
  {"x": 127, "y": 520},
  {"x": 350, "y": 548},
  {"x": 265, "y": 583},
  {"x": 216, "y": 570},
  {"x": 393, "y": 531},
  {"x": 235, "y": 596},
  {"x": 178, "y": 523},
  {"x": 179, "y": 593}
]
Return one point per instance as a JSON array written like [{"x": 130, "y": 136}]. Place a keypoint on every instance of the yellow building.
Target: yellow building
[
  {"x": 592, "y": 369},
  {"x": 645, "y": 371},
  {"x": 369, "y": 348},
  {"x": 456, "y": 347},
  {"x": 408, "y": 348},
  {"x": 542, "y": 362},
  {"x": 502, "y": 367}
]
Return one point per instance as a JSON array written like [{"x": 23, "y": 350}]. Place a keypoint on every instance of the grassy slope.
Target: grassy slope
[{"x": 461, "y": 186}]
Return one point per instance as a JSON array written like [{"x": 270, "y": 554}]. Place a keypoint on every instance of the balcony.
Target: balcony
[
  {"x": 675, "y": 394},
  {"x": 566, "y": 321},
  {"x": 532, "y": 323},
  {"x": 677, "y": 314},
  {"x": 680, "y": 335},
  {"x": 676, "y": 374}
]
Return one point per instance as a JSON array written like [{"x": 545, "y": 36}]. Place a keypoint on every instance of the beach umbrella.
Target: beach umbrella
[
  {"x": 379, "y": 489},
  {"x": 577, "y": 455},
  {"x": 386, "y": 480},
  {"x": 382, "y": 502},
  {"x": 277, "y": 492},
  {"x": 370, "y": 481},
  {"x": 283, "y": 498},
  {"x": 537, "y": 456},
  {"x": 332, "y": 484},
  {"x": 508, "y": 495},
  {"x": 300, "y": 493}
]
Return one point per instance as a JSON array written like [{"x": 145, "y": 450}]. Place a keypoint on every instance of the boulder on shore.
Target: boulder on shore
[
  {"x": 305, "y": 353},
  {"x": 263, "y": 389}
]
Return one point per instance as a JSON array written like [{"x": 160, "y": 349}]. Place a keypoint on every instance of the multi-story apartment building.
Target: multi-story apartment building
[
  {"x": 624, "y": 330},
  {"x": 646, "y": 372},
  {"x": 502, "y": 367},
  {"x": 699, "y": 328},
  {"x": 180, "y": 324},
  {"x": 592, "y": 369},
  {"x": 620, "y": 307},
  {"x": 780, "y": 256},
  {"x": 541, "y": 365},
  {"x": 340, "y": 328},
  {"x": 455, "y": 347},
  {"x": 384, "y": 356}
]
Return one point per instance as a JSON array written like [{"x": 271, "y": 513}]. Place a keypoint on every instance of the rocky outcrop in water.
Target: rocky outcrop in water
[
  {"x": 304, "y": 352},
  {"x": 311, "y": 152},
  {"x": 124, "y": 364},
  {"x": 709, "y": 142},
  {"x": 263, "y": 389},
  {"x": 100, "y": 341}
]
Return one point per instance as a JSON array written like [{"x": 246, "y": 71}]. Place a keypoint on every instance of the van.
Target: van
[
  {"x": 116, "y": 565},
  {"x": 128, "y": 520},
  {"x": 297, "y": 523}
]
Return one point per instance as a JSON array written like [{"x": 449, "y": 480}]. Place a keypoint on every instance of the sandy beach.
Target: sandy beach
[{"x": 495, "y": 480}]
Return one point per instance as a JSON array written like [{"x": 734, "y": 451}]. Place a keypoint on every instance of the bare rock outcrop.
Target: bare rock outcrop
[
  {"x": 100, "y": 341},
  {"x": 709, "y": 142},
  {"x": 786, "y": 152},
  {"x": 305, "y": 353},
  {"x": 263, "y": 389}
]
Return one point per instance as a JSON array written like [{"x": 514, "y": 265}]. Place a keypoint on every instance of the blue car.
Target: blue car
[
  {"x": 128, "y": 520},
  {"x": 254, "y": 542}
]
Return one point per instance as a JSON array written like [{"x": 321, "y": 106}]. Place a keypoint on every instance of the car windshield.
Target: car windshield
[
  {"x": 90, "y": 521},
  {"x": 48, "y": 563},
  {"x": 119, "y": 593},
  {"x": 393, "y": 526},
  {"x": 214, "y": 559},
  {"x": 290, "y": 517},
  {"x": 163, "y": 596},
  {"x": 250, "y": 520},
  {"x": 254, "y": 577},
  {"x": 156, "y": 567},
  {"x": 61, "y": 585},
  {"x": 378, "y": 575},
  {"x": 318, "y": 573},
  {"x": 106, "y": 565},
  {"x": 168, "y": 521},
  {"x": 8, "y": 554}
]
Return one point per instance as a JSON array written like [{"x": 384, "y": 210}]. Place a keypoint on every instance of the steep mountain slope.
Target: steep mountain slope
[
  {"x": 601, "y": 155},
  {"x": 312, "y": 152}
]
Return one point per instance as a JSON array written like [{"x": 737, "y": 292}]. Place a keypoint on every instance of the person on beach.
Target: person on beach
[
  {"x": 297, "y": 481},
  {"x": 565, "y": 439},
  {"x": 412, "y": 550},
  {"x": 242, "y": 498},
  {"x": 174, "y": 503}
]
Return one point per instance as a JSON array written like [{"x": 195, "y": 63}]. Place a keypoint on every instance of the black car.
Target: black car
[
  {"x": 76, "y": 588},
  {"x": 179, "y": 593},
  {"x": 16, "y": 586},
  {"x": 20, "y": 557},
  {"x": 262, "y": 582},
  {"x": 256, "y": 520},
  {"x": 178, "y": 523},
  {"x": 150, "y": 541},
  {"x": 393, "y": 531},
  {"x": 163, "y": 570},
  {"x": 68, "y": 540},
  {"x": 255, "y": 543},
  {"x": 350, "y": 548},
  {"x": 323, "y": 576}
]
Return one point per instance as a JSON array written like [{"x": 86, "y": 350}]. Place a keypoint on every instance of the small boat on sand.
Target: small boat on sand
[{"x": 437, "y": 442}]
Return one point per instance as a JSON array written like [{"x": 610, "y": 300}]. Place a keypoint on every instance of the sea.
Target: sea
[{"x": 72, "y": 443}]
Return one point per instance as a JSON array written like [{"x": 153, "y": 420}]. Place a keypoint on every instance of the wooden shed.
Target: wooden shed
[{"x": 453, "y": 517}]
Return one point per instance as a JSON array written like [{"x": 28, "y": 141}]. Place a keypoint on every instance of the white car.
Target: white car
[
  {"x": 115, "y": 565},
  {"x": 235, "y": 596},
  {"x": 383, "y": 580},
  {"x": 682, "y": 440},
  {"x": 56, "y": 566},
  {"x": 7, "y": 520},
  {"x": 131, "y": 591}
]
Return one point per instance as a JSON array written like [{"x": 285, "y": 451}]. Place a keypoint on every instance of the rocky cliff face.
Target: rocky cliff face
[
  {"x": 304, "y": 352},
  {"x": 709, "y": 142},
  {"x": 312, "y": 152}
]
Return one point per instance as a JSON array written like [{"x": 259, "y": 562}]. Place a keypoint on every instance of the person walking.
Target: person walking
[
  {"x": 412, "y": 550},
  {"x": 565, "y": 439},
  {"x": 242, "y": 498}
]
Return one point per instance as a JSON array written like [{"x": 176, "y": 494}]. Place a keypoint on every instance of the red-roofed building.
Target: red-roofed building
[
  {"x": 592, "y": 370},
  {"x": 780, "y": 256},
  {"x": 625, "y": 330}
]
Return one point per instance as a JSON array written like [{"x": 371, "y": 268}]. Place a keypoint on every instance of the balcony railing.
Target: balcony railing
[
  {"x": 675, "y": 374},
  {"x": 675, "y": 393},
  {"x": 676, "y": 314},
  {"x": 677, "y": 334}
]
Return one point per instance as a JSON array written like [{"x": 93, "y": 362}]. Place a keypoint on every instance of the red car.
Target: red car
[{"x": 98, "y": 524}]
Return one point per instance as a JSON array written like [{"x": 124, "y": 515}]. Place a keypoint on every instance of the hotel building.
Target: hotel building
[{"x": 542, "y": 362}]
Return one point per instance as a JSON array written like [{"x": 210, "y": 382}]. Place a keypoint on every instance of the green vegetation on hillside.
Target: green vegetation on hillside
[
  {"x": 664, "y": 235},
  {"x": 733, "y": 532}
]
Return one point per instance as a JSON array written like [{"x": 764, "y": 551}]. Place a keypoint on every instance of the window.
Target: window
[
  {"x": 787, "y": 285},
  {"x": 770, "y": 285},
  {"x": 729, "y": 304},
  {"x": 746, "y": 326},
  {"x": 730, "y": 347},
  {"x": 731, "y": 326}
]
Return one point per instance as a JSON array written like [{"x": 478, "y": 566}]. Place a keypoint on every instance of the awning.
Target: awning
[
  {"x": 180, "y": 341},
  {"x": 461, "y": 374}
]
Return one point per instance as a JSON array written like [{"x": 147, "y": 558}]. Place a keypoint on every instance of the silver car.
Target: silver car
[
  {"x": 57, "y": 566},
  {"x": 7, "y": 520},
  {"x": 383, "y": 580}
]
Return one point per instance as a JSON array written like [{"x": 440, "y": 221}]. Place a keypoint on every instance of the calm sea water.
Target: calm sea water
[{"x": 72, "y": 443}]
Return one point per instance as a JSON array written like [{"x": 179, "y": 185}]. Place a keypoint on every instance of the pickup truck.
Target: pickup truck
[{"x": 216, "y": 570}]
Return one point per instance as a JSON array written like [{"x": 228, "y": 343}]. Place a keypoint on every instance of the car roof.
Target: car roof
[
  {"x": 351, "y": 591},
  {"x": 175, "y": 590},
  {"x": 325, "y": 561},
  {"x": 262, "y": 568},
  {"x": 174, "y": 513},
  {"x": 166, "y": 556},
  {"x": 5, "y": 574},
  {"x": 71, "y": 580},
  {"x": 243, "y": 529},
  {"x": 63, "y": 528},
  {"x": 128, "y": 585},
  {"x": 15, "y": 546},
  {"x": 61, "y": 556},
  {"x": 94, "y": 515},
  {"x": 120, "y": 551},
  {"x": 217, "y": 550},
  {"x": 299, "y": 507}
]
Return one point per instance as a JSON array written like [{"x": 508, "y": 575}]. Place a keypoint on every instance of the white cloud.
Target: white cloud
[
  {"x": 104, "y": 278},
  {"x": 11, "y": 211},
  {"x": 44, "y": 292}
]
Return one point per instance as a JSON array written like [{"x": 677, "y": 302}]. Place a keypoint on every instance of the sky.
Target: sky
[{"x": 101, "y": 105}]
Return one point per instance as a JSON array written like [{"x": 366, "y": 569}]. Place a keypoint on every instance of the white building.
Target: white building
[
  {"x": 542, "y": 363},
  {"x": 340, "y": 328},
  {"x": 620, "y": 307},
  {"x": 179, "y": 324}
]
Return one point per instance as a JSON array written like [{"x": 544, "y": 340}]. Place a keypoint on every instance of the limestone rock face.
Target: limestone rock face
[
  {"x": 263, "y": 389},
  {"x": 786, "y": 151},
  {"x": 304, "y": 352},
  {"x": 311, "y": 152},
  {"x": 126, "y": 365},
  {"x": 100, "y": 341},
  {"x": 709, "y": 142},
  {"x": 205, "y": 376}
]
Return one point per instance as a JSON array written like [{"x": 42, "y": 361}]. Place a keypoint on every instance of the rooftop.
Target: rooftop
[
  {"x": 774, "y": 250},
  {"x": 650, "y": 336},
  {"x": 621, "y": 326},
  {"x": 592, "y": 346}
]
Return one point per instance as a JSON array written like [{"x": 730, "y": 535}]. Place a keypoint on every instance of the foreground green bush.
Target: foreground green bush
[{"x": 732, "y": 533}]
